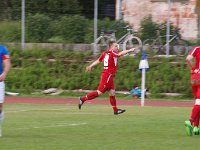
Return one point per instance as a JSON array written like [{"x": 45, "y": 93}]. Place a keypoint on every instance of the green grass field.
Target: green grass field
[{"x": 64, "y": 127}]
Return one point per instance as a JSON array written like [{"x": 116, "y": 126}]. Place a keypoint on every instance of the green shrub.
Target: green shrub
[
  {"x": 70, "y": 29},
  {"x": 67, "y": 71},
  {"x": 10, "y": 31},
  {"x": 37, "y": 27},
  {"x": 148, "y": 29}
]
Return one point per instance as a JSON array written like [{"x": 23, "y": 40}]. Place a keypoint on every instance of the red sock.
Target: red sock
[
  {"x": 195, "y": 114},
  {"x": 90, "y": 96},
  {"x": 113, "y": 103},
  {"x": 196, "y": 121},
  {"x": 194, "y": 90}
]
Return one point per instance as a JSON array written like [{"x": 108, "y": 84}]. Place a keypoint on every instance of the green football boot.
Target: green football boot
[
  {"x": 196, "y": 131},
  {"x": 188, "y": 128}
]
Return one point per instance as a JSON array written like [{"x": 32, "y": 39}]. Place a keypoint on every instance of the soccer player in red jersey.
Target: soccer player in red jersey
[
  {"x": 192, "y": 125},
  {"x": 109, "y": 59}
]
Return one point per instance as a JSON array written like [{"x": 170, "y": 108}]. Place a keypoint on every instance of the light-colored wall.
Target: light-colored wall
[{"x": 182, "y": 14}]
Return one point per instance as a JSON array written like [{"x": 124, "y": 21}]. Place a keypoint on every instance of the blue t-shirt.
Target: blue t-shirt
[
  {"x": 3, "y": 55},
  {"x": 136, "y": 92}
]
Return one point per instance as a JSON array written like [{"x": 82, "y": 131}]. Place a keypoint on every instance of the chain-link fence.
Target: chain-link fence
[{"x": 51, "y": 21}]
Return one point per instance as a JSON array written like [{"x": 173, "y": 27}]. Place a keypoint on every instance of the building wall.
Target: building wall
[{"x": 182, "y": 14}]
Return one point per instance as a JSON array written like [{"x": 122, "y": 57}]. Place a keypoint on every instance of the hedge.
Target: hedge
[{"x": 42, "y": 68}]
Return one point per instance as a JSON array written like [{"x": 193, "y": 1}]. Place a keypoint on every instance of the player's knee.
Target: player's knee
[
  {"x": 112, "y": 93},
  {"x": 99, "y": 93}
]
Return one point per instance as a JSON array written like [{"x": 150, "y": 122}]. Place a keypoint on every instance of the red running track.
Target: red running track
[{"x": 23, "y": 100}]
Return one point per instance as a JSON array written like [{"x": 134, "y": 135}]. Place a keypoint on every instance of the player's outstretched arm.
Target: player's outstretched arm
[
  {"x": 89, "y": 68},
  {"x": 126, "y": 51}
]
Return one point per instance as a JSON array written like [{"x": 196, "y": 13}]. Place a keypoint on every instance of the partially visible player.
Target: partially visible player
[
  {"x": 110, "y": 60},
  {"x": 5, "y": 66},
  {"x": 192, "y": 125}
]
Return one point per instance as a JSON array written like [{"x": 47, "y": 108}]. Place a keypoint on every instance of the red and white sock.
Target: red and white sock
[
  {"x": 195, "y": 90},
  {"x": 194, "y": 118},
  {"x": 90, "y": 96},
  {"x": 113, "y": 103}
]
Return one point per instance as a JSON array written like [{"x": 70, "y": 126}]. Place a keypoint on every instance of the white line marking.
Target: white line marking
[
  {"x": 16, "y": 111},
  {"x": 53, "y": 126}
]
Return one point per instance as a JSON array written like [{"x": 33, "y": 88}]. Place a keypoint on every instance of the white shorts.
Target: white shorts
[{"x": 2, "y": 91}]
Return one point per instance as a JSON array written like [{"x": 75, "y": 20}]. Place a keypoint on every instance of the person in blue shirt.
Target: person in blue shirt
[
  {"x": 5, "y": 66},
  {"x": 136, "y": 92}
]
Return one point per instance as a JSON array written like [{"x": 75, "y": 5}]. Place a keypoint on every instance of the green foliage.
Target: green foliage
[
  {"x": 107, "y": 24},
  {"x": 148, "y": 28},
  {"x": 42, "y": 68},
  {"x": 10, "y": 31},
  {"x": 62, "y": 7},
  {"x": 66, "y": 29},
  {"x": 71, "y": 29},
  {"x": 11, "y": 9},
  {"x": 38, "y": 28}
]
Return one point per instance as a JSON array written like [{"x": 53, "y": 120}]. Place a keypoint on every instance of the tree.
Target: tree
[
  {"x": 5, "y": 9},
  {"x": 53, "y": 8},
  {"x": 103, "y": 7},
  {"x": 38, "y": 28},
  {"x": 11, "y": 9},
  {"x": 148, "y": 28}
]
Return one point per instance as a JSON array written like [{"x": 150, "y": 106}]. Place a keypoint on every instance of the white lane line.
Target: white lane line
[
  {"x": 53, "y": 126},
  {"x": 61, "y": 111},
  {"x": 26, "y": 110}
]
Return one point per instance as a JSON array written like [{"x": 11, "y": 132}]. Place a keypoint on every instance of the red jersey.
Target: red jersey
[
  {"x": 110, "y": 60},
  {"x": 195, "y": 52}
]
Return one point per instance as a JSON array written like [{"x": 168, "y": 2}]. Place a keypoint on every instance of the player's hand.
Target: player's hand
[
  {"x": 2, "y": 77},
  {"x": 88, "y": 69},
  {"x": 132, "y": 50}
]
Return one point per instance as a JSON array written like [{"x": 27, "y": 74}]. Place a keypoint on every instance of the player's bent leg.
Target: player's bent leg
[
  {"x": 194, "y": 90},
  {"x": 89, "y": 96}
]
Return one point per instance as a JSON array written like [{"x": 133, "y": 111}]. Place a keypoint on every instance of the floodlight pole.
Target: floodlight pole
[
  {"x": 118, "y": 10},
  {"x": 23, "y": 25},
  {"x": 168, "y": 29},
  {"x": 95, "y": 26}
]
